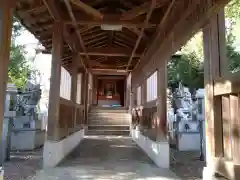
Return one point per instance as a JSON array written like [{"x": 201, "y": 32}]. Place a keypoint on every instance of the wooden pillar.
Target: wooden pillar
[
  {"x": 83, "y": 88},
  {"x": 162, "y": 101},
  {"x": 86, "y": 93},
  {"x": 144, "y": 93},
  {"x": 74, "y": 81},
  {"x": 6, "y": 20},
  {"x": 129, "y": 85},
  {"x": 212, "y": 104},
  {"x": 222, "y": 112},
  {"x": 54, "y": 94},
  {"x": 95, "y": 90}
]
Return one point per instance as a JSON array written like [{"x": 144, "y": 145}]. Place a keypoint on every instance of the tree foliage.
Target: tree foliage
[
  {"x": 19, "y": 67},
  {"x": 188, "y": 66}
]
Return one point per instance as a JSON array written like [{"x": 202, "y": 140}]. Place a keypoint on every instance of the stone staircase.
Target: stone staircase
[{"x": 108, "y": 121}]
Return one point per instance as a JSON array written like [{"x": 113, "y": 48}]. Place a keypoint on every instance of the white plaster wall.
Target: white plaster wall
[
  {"x": 55, "y": 152},
  {"x": 159, "y": 152}
]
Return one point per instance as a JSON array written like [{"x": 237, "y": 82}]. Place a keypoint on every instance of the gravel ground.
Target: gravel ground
[
  {"x": 23, "y": 165},
  {"x": 187, "y": 165}
]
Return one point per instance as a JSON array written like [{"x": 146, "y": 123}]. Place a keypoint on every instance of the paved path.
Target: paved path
[{"x": 106, "y": 158}]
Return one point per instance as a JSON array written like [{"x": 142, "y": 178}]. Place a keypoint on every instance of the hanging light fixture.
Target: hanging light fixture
[{"x": 111, "y": 27}]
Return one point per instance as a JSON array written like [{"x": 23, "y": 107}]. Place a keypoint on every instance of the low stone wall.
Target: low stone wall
[
  {"x": 55, "y": 152},
  {"x": 159, "y": 152},
  {"x": 27, "y": 139}
]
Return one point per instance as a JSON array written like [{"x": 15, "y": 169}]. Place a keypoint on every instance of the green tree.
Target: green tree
[
  {"x": 19, "y": 68},
  {"x": 188, "y": 67}
]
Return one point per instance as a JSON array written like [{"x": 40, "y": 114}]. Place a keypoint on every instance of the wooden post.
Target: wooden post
[
  {"x": 83, "y": 88},
  {"x": 54, "y": 94},
  {"x": 94, "y": 91},
  {"x": 74, "y": 80},
  {"x": 6, "y": 20},
  {"x": 221, "y": 106},
  {"x": 162, "y": 101},
  {"x": 212, "y": 70},
  {"x": 74, "y": 86},
  {"x": 86, "y": 93}
]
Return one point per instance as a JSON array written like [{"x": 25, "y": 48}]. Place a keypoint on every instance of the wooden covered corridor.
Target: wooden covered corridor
[{"x": 131, "y": 39}]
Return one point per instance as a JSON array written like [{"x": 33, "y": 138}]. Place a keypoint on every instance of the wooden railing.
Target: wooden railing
[{"x": 70, "y": 118}]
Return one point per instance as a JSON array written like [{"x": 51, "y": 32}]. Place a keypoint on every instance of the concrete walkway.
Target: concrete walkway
[{"x": 106, "y": 158}]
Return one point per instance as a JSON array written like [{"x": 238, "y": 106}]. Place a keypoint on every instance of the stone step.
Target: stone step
[
  {"x": 108, "y": 110},
  {"x": 109, "y": 123},
  {"x": 108, "y": 127},
  {"x": 108, "y": 119},
  {"x": 109, "y": 113},
  {"x": 108, "y": 132}
]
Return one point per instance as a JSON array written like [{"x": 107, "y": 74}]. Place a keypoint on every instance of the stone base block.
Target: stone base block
[
  {"x": 159, "y": 152},
  {"x": 55, "y": 152}
]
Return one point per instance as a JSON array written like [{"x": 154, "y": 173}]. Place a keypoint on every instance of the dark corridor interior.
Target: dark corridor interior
[{"x": 121, "y": 90}]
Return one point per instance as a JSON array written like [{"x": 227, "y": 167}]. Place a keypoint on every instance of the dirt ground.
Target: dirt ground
[
  {"x": 187, "y": 165},
  {"x": 23, "y": 165}
]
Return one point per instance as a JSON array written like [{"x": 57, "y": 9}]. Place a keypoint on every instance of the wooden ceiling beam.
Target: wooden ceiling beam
[
  {"x": 97, "y": 35},
  {"x": 131, "y": 44},
  {"x": 96, "y": 40},
  {"x": 142, "y": 9},
  {"x": 109, "y": 71},
  {"x": 138, "y": 32},
  {"x": 149, "y": 14},
  {"x": 37, "y": 6},
  {"x": 98, "y": 44},
  {"x": 110, "y": 38},
  {"x": 88, "y": 9},
  {"x": 158, "y": 31},
  {"x": 115, "y": 52},
  {"x": 125, "y": 37},
  {"x": 69, "y": 8},
  {"x": 123, "y": 23},
  {"x": 122, "y": 45},
  {"x": 57, "y": 16}
]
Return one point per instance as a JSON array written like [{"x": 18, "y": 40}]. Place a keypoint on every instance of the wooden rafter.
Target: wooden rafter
[
  {"x": 69, "y": 8},
  {"x": 99, "y": 43},
  {"x": 142, "y": 9},
  {"x": 110, "y": 38},
  {"x": 124, "y": 23},
  {"x": 159, "y": 27},
  {"x": 138, "y": 32},
  {"x": 96, "y": 40},
  {"x": 152, "y": 6},
  {"x": 122, "y": 45},
  {"x": 88, "y": 9},
  {"x": 38, "y": 6},
  {"x": 56, "y": 15},
  {"x": 91, "y": 37},
  {"x": 109, "y": 51}
]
